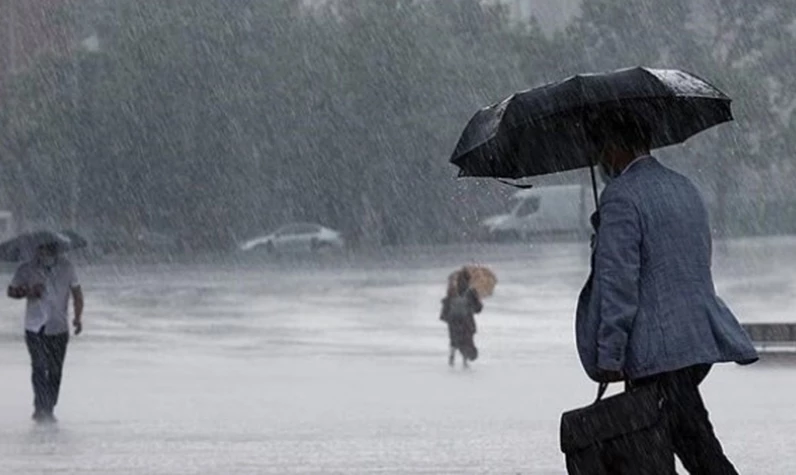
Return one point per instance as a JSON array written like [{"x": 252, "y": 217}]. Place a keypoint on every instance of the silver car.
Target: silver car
[{"x": 296, "y": 237}]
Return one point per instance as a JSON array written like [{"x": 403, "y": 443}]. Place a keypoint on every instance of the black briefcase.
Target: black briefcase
[{"x": 623, "y": 434}]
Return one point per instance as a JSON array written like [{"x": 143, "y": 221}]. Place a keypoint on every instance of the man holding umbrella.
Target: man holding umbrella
[
  {"x": 648, "y": 314},
  {"x": 652, "y": 315},
  {"x": 47, "y": 282}
]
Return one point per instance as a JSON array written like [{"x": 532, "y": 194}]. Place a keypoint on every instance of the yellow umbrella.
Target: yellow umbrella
[{"x": 482, "y": 280}]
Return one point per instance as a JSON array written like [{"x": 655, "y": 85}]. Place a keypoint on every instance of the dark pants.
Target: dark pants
[
  {"x": 47, "y": 353},
  {"x": 692, "y": 433},
  {"x": 461, "y": 338}
]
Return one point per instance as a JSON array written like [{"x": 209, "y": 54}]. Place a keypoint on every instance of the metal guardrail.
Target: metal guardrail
[{"x": 772, "y": 336}]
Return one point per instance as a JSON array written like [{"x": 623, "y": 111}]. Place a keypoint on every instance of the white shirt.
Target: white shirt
[{"x": 51, "y": 311}]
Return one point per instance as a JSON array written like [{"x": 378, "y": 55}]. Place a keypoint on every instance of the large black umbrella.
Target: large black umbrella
[
  {"x": 542, "y": 130},
  {"x": 24, "y": 246}
]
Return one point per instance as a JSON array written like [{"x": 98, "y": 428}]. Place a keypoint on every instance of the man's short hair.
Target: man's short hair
[{"x": 621, "y": 127}]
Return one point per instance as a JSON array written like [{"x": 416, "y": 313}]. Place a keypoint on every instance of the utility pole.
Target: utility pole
[
  {"x": 89, "y": 45},
  {"x": 8, "y": 10},
  {"x": 11, "y": 158},
  {"x": 74, "y": 178}
]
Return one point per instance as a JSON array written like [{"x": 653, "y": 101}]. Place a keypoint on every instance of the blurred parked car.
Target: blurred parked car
[{"x": 296, "y": 237}]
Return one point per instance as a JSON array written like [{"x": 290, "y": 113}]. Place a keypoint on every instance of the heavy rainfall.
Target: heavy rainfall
[{"x": 257, "y": 204}]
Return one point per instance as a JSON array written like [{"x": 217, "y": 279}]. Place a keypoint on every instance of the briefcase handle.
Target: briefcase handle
[{"x": 601, "y": 388}]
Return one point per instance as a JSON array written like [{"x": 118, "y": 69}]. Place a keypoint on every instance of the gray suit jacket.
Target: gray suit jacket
[{"x": 650, "y": 305}]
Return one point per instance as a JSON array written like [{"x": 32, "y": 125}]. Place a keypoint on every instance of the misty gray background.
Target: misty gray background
[{"x": 211, "y": 121}]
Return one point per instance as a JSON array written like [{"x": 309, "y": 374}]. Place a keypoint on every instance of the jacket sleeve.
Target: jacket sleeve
[
  {"x": 475, "y": 302},
  {"x": 617, "y": 264},
  {"x": 477, "y": 306},
  {"x": 443, "y": 315}
]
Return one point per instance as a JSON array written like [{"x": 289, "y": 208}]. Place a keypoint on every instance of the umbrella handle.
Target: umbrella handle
[{"x": 594, "y": 185}]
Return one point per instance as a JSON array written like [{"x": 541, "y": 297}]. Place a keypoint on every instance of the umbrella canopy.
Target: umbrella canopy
[
  {"x": 542, "y": 130},
  {"x": 24, "y": 246},
  {"x": 482, "y": 280},
  {"x": 77, "y": 241}
]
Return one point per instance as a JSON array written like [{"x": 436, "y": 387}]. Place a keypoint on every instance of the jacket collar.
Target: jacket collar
[{"x": 635, "y": 162}]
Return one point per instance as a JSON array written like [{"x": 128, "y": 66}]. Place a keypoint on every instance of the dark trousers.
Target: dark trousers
[
  {"x": 47, "y": 353},
  {"x": 692, "y": 434},
  {"x": 461, "y": 338}
]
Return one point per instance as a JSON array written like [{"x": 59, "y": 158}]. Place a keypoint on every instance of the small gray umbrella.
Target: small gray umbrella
[
  {"x": 24, "y": 246},
  {"x": 77, "y": 241}
]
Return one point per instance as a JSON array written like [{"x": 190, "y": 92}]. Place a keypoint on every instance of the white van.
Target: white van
[{"x": 546, "y": 210}]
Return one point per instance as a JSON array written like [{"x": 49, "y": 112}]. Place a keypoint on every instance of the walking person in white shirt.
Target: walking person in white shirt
[{"x": 47, "y": 282}]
